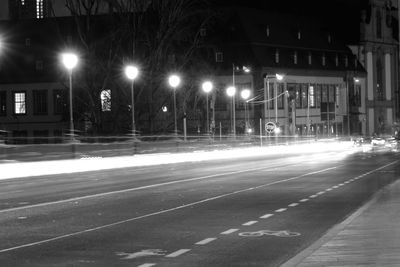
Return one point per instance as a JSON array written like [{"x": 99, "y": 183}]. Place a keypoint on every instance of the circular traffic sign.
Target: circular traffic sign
[{"x": 270, "y": 127}]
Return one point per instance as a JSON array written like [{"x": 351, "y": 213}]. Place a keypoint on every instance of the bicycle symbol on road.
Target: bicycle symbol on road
[{"x": 282, "y": 233}]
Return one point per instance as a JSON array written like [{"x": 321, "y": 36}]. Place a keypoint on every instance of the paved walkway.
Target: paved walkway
[{"x": 369, "y": 237}]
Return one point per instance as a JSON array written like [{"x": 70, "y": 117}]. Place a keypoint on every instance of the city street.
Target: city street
[{"x": 251, "y": 211}]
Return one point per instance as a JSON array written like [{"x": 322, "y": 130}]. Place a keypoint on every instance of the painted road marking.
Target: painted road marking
[
  {"x": 206, "y": 241},
  {"x": 304, "y": 200},
  {"x": 321, "y": 193},
  {"x": 293, "y": 204},
  {"x": 142, "y": 253},
  {"x": 147, "y": 265},
  {"x": 171, "y": 183},
  {"x": 283, "y": 233},
  {"x": 335, "y": 186},
  {"x": 250, "y": 223},
  {"x": 177, "y": 253},
  {"x": 230, "y": 231},
  {"x": 266, "y": 216},
  {"x": 313, "y": 196},
  {"x": 329, "y": 189},
  {"x": 56, "y": 238},
  {"x": 281, "y": 210}
]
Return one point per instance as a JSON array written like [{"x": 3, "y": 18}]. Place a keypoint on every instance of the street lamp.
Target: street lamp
[
  {"x": 231, "y": 91},
  {"x": 245, "y": 94},
  {"x": 207, "y": 86},
  {"x": 278, "y": 77},
  {"x": 131, "y": 73},
  {"x": 174, "y": 81},
  {"x": 70, "y": 60}
]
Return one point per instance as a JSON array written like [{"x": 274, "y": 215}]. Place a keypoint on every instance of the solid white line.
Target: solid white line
[
  {"x": 147, "y": 265},
  {"x": 151, "y": 214},
  {"x": 230, "y": 231},
  {"x": 281, "y": 210},
  {"x": 177, "y": 253},
  {"x": 266, "y": 216},
  {"x": 250, "y": 223},
  {"x": 206, "y": 241},
  {"x": 293, "y": 204}
]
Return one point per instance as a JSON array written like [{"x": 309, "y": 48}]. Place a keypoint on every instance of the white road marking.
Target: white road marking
[
  {"x": 250, "y": 223},
  {"x": 341, "y": 185},
  {"x": 230, "y": 231},
  {"x": 281, "y": 210},
  {"x": 168, "y": 183},
  {"x": 320, "y": 193},
  {"x": 142, "y": 253},
  {"x": 293, "y": 204},
  {"x": 329, "y": 189},
  {"x": 177, "y": 253},
  {"x": 206, "y": 241},
  {"x": 159, "y": 212},
  {"x": 22, "y": 218},
  {"x": 147, "y": 265},
  {"x": 313, "y": 196},
  {"x": 266, "y": 216},
  {"x": 335, "y": 186}
]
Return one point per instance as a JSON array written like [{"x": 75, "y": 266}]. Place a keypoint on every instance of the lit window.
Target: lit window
[
  {"x": 105, "y": 98},
  {"x": 39, "y": 9},
  {"x": 295, "y": 57},
  {"x": 20, "y": 103},
  {"x": 312, "y": 96},
  {"x": 277, "y": 56},
  {"x": 23, "y": 2}
]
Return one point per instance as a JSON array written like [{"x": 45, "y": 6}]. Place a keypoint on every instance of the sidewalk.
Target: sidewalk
[{"x": 369, "y": 237}]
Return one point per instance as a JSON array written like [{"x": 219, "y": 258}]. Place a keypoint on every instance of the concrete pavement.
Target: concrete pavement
[{"x": 369, "y": 237}]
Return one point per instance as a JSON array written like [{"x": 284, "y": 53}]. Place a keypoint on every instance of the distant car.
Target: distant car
[
  {"x": 360, "y": 141},
  {"x": 393, "y": 142},
  {"x": 378, "y": 141}
]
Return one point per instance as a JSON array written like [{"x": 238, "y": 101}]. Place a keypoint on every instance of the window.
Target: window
[
  {"x": 323, "y": 59},
  {"x": 318, "y": 92},
  {"x": 346, "y": 61},
  {"x": 336, "y": 60},
  {"x": 378, "y": 24},
  {"x": 19, "y": 103},
  {"x": 277, "y": 56},
  {"x": 267, "y": 31},
  {"x": 59, "y": 101},
  {"x": 309, "y": 58},
  {"x": 379, "y": 79},
  {"x": 331, "y": 94},
  {"x": 105, "y": 97},
  {"x": 219, "y": 57},
  {"x": 295, "y": 57},
  {"x": 311, "y": 96},
  {"x": 324, "y": 93},
  {"x": 40, "y": 102},
  {"x": 329, "y": 38},
  {"x": 298, "y": 35},
  {"x": 304, "y": 94},
  {"x": 39, "y": 9},
  {"x": 39, "y": 65},
  {"x": 298, "y": 96},
  {"x": 281, "y": 98},
  {"x": 203, "y": 32},
  {"x": 3, "y": 103}
]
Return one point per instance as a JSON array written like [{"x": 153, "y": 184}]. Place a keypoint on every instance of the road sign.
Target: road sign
[{"x": 270, "y": 127}]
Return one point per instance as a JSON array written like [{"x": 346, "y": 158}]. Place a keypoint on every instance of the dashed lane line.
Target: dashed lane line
[
  {"x": 293, "y": 204},
  {"x": 281, "y": 210},
  {"x": 228, "y": 232},
  {"x": 250, "y": 223},
  {"x": 313, "y": 196},
  {"x": 320, "y": 193},
  {"x": 147, "y": 265},
  {"x": 177, "y": 253},
  {"x": 206, "y": 241},
  {"x": 304, "y": 200},
  {"x": 266, "y": 216}
]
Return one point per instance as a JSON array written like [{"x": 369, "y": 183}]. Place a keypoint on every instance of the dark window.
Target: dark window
[
  {"x": 378, "y": 24},
  {"x": 40, "y": 102},
  {"x": 281, "y": 96},
  {"x": 304, "y": 95},
  {"x": 332, "y": 93},
  {"x": 3, "y": 103},
  {"x": 379, "y": 79},
  {"x": 203, "y": 32},
  {"x": 59, "y": 101},
  {"x": 39, "y": 64},
  {"x": 298, "y": 96},
  {"x": 219, "y": 57},
  {"x": 318, "y": 92}
]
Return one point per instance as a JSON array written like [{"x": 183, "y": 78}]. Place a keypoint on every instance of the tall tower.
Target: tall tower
[{"x": 379, "y": 43}]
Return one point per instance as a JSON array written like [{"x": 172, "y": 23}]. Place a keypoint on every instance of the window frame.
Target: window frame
[{"x": 15, "y": 103}]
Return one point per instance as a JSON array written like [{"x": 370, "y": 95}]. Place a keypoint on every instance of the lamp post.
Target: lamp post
[
  {"x": 131, "y": 73},
  {"x": 70, "y": 60},
  {"x": 278, "y": 77},
  {"x": 207, "y": 86},
  {"x": 231, "y": 91},
  {"x": 245, "y": 94},
  {"x": 174, "y": 81}
]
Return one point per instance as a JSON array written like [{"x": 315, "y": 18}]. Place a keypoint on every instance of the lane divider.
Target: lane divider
[
  {"x": 177, "y": 253},
  {"x": 228, "y": 232},
  {"x": 206, "y": 241},
  {"x": 250, "y": 223}
]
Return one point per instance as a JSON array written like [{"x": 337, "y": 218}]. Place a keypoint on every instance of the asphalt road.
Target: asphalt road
[{"x": 256, "y": 211}]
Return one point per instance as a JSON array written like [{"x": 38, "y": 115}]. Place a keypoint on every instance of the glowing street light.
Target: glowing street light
[
  {"x": 207, "y": 87},
  {"x": 70, "y": 60},
  {"x": 131, "y": 73},
  {"x": 174, "y": 81}
]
